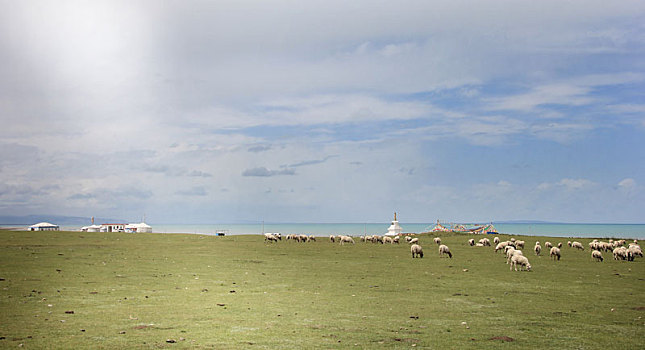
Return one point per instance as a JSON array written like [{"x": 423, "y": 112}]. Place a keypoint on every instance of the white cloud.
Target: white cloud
[{"x": 576, "y": 184}]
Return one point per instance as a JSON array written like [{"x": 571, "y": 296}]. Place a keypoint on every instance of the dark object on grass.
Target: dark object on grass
[{"x": 503, "y": 338}]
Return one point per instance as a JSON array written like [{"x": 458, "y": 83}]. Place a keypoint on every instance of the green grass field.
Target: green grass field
[{"x": 140, "y": 290}]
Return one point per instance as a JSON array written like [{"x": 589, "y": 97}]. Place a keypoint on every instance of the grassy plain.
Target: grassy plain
[{"x": 140, "y": 290}]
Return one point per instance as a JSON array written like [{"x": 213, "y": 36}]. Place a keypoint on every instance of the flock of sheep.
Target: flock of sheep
[{"x": 512, "y": 248}]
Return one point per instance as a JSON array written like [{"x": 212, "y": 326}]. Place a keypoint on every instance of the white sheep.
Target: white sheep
[
  {"x": 596, "y": 255},
  {"x": 496, "y": 240},
  {"x": 443, "y": 249},
  {"x": 520, "y": 260},
  {"x": 471, "y": 242},
  {"x": 396, "y": 240},
  {"x": 478, "y": 245},
  {"x": 500, "y": 246},
  {"x": 577, "y": 245},
  {"x": 548, "y": 245},
  {"x": 270, "y": 237},
  {"x": 311, "y": 238},
  {"x": 387, "y": 239},
  {"x": 510, "y": 253},
  {"x": 485, "y": 241},
  {"x": 346, "y": 239},
  {"x": 437, "y": 240},
  {"x": 633, "y": 251},
  {"x": 408, "y": 239},
  {"x": 519, "y": 244},
  {"x": 559, "y": 244},
  {"x": 620, "y": 253},
  {"x": 413, "y": 241},
  {"x": 554, "y": 252},
  {"x": 537, "y": 248},
  {"x": 416, "y": 250},
  {"x": 569, "y": 243}
]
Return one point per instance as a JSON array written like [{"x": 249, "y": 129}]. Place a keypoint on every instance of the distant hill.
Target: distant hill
[{"x": 54, "y": 219}]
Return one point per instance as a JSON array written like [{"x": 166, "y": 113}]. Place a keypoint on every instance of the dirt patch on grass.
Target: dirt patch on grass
[
  {"x": 502, "y": 338},
  {"x": 141, "y": 326},
  {"x": 639, "y": 308}
]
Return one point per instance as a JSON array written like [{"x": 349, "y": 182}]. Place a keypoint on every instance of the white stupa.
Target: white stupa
[{"x": 394, "y": 229}]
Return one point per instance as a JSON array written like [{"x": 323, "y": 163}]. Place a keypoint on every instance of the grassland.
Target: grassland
[{"x": 141, "y": 290}]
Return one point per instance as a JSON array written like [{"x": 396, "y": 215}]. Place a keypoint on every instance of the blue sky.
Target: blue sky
[{"x": 323, "y": 111}]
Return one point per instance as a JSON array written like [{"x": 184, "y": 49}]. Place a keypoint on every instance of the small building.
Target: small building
[
  {"x": 44, "y": 226},
  {"x": 112, "y": 228},
  {"x": 138, "y": 228},
  {"x": 394, "y": 229},
  {"x": 91, "y": 228}
]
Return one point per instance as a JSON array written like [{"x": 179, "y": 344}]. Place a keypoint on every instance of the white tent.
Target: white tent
[
  {"x": 142, "y": 227},
  {"x": 91, "y": 228},
  {"x": 44, "y": 226}
]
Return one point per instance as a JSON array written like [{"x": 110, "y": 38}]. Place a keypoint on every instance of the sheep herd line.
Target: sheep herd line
[{"x": 512, "y": 248}]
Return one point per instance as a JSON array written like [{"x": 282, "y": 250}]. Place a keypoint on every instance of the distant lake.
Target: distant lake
[
  {"x": 356, "y": 229},
  {"x": 636, "y": 231}
]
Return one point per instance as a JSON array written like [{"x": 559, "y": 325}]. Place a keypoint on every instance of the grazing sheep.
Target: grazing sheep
[
  {"x": 471, "y": 242},
  {"x": 387, "y": 239},
  {"x": 437, "y": 240},
  {"x": 554, "y": 253},
  {"x": 577, "y": 245},
  {"x": 377, "y": 239},
  {"x": 569, "y": 243},
  {"x": 270, "y": 237},
  {"x": 396, "y": 239},
  {"x": 485, "y": 241},
  {"x": 478, "y": 245},
  {"x": 332, "y": 238},
  {"x": 443, "y": 249},
  {"x": 620, "y": 253},
  {"x": 311, "y": 238},
  {"x": 413, "y": 241},
  {"x": 346, "y": 239},
  {"x": 512, "y": 252},
  {"x": 408, "y": 239},
  {"x": 537, "y": 248},
  {"x": 368, "y": 239},
  {"x": 519, "y": 244},
  {"x": 496, "y": 240},
  {"x": 520, "y": 260},
  {"x": 416, "y": 250},
  {"x": 634, "y": 250},
  {"x": 596, "y": 255},
  {"x": 500, "y": 246},
  {"x": 513, "y": 240},
  {"x": 304, "y": 238},
  {"x": 559, "y": 244},
  {"x": 548, "y": 245},
  {"x": 362, "y": 238}
]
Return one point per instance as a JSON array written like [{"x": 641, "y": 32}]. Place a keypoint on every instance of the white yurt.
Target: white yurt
[
  {"x": 44, "y": 226},
  {"x": 91, "y": 228},
  {"x": 141, "y": 227}
]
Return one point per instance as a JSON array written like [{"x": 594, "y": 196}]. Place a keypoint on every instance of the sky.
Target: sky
[{"x": 323, "y": 111}]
